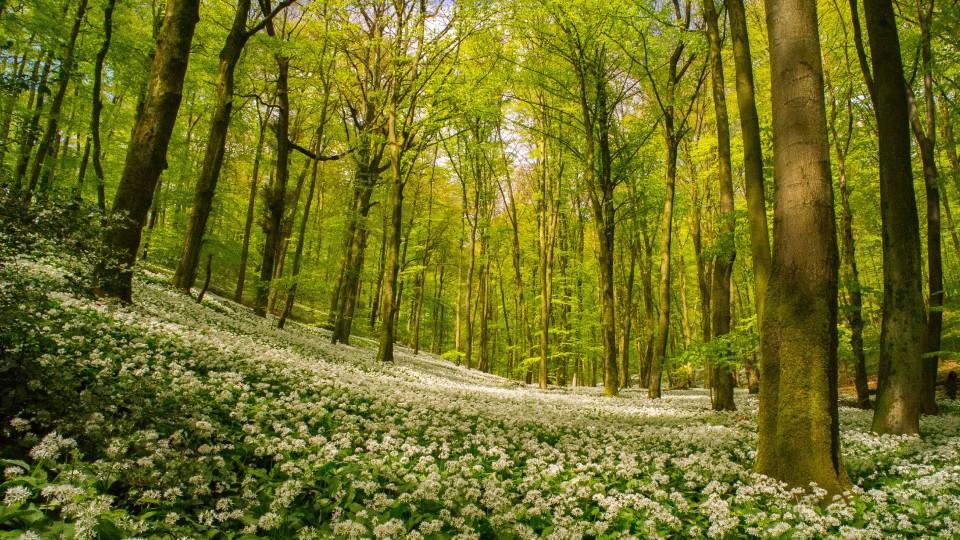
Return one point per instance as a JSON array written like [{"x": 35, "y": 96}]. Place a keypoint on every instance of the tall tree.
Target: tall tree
[
  {"x": 276, "y": 194},
  {"x": 752, "y": 152},
  {"x": 799, "y": 427},
  {"x": 926, "y": 135},
  {"x": 51, "y": 133},
  {"x": 420, "y": 60},
  {"x": 96, "y": 108},
  {"x": 721, "y": 394},
  {"x": 147, "y": 151},
  {"x": 670, "y": 95},
  {"x": 903, "y": 326},
  {"x": 236, "y": 40}
]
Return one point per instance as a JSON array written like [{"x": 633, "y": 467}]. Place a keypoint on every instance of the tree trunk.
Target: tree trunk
[
  {"x": 277, "y": 191},
  {"x": 251, "y": 206},
  {"x": 206, "y": 186},
  {"x": 626, "y": 315},
  {"x": 147, "y": 151},
  {"x": 752, "y": 153},
  {"x": 97, "y": 106},
  {"x": 206, "y": 279},
  {"x": 850, "y": 275},
  {"x": 723, "y": 384},
  {"x": 798, "y": 420},
  {"x": 301, "y": 236},
  {"x": 378, "y": 289},
  {"x": 903, "y": 325},
  {"x": 53, "y": 115},
  {"x": 926, "y": 140},
  {"x": 663, "y": 320},
  {"x": 28, "y": 135},
  {"x": 389, "y": 298}
]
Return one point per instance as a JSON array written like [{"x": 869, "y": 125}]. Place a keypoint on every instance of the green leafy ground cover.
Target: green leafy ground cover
[{"x": 177, "y": 420}]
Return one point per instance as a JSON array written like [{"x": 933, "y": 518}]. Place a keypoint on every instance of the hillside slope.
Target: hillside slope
[{"x": 172, "y": 419}]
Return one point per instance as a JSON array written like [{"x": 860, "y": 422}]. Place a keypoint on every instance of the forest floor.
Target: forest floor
[{"x": 172, "y": 419}]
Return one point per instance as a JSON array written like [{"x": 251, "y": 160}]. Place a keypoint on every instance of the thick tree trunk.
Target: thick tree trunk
[
  {"x": 355, "y": 248},
  {"x": 798, "y": 420},
  {"x": 147, "y": 151},
  {"x": 723, "y": 384},
  {"x": 903, "y": 326}
]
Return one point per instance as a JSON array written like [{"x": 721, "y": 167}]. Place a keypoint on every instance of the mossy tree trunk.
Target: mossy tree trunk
[
  {"x": 799, "y": 428},
  {"x": 147, "y": 151}
]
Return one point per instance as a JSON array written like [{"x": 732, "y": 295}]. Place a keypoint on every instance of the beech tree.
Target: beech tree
[
  {"x": 798, "y": 420},
  {"x": 147, "y": 151}
]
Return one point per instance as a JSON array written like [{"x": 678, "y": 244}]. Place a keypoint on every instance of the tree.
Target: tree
[
  {"x": 97, "y": 108},
  {"x": 752, "y": 155},
  {"x": 798, "y": 422},
  {"x": 276, "y": 193},
  {"x": 147, "y": 151},
  {"x": 206, "y": 186},
  {"x": 721, "y": 394},
  {"x": 675, "y": 115},
  {"x": 420, "y": 59},
  {"x": 53, "y": 115},
  {"x": 902, "y": 328}
]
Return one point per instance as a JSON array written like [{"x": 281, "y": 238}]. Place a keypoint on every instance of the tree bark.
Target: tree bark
[
  {"x": 28, "y": 135},
  {"x": 723, "y": 384},
  {"x": 251, "y": 206},
  {"x": 147, "y": 151},
  {"x": 903, "y": 325},
  {"x": 798, "y": 421},
  {"x": 926, "y": 140},
  {"x": 277, "y": 190},
  {"x": 186, "y": 271},
  {"x": 752, "y": 153},
  {"x": 97, "y": 106}
]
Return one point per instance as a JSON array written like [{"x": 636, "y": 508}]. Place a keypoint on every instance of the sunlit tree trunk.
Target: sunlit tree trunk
[
  {"x": 206, "y": 186},
  {"x": 798, "y": 420},
  {"x": 752, "y": 152}
]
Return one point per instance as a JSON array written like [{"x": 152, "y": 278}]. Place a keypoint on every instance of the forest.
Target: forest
[{"x": 479, "y": 269}]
